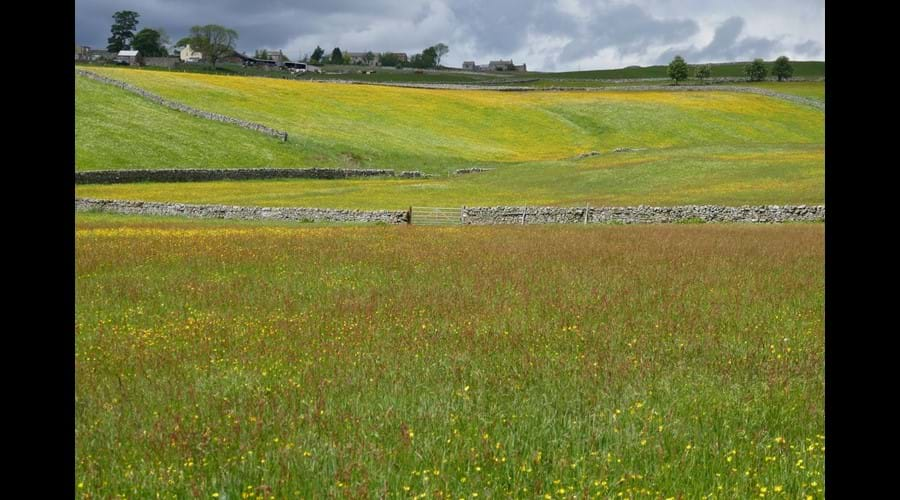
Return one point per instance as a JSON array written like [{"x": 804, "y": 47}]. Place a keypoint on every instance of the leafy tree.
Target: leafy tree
[
  {"x": 388, "y": 59},
  {"x": 212, "y": 40},
  {"x": 782, "y": 68},
  {"x": 429, "y": 57},
  {"x": 126, "y": 22},
  {"x": 704, "y": 71},
  {"x": 756, "y": 71},
  {"x": 440, "y": 50},
  {"x": 336, "y": 56},
  {"x": 148, "y": 42},
  {"x": 369, "y": 57},
  {"x": 317, "y": 54},
  {"x": 678, "y": 69},
  {"x": 263, "y": 54}
]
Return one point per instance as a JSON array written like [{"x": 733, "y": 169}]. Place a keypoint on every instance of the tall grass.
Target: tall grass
[
  {"x": 233, "y": 360},
  {"x": 432, "y": 130}
]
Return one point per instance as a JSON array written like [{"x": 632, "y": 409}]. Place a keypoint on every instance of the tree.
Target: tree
[
  {"x": 370, "y": 57},
  {"x": 317, "y": 54},
  {"x": 336, "y": 56},
  {"x": 440, "y": 50},
  {"x": 262, "y": 54},
  {"x": 212, "y": 40},
  {"x": 782, "y": 68},
  {"x": 678, "y": 69},
  {"x": 756, "y": 71},
  {"x": 388, "y": 59},
  {"x": 148, "y": 43},
  {"x": 429, "y": 57},
  {"x": 704, "y": 71},
  {"x": 126, "y": 22}
]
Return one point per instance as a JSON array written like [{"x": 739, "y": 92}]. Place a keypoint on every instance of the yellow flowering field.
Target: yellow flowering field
[
  {"x": 220, "y": 359},
  {"x": 432, "y": 130}
]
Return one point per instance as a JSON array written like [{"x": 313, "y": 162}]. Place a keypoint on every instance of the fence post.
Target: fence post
[
  {"x": 462, "y": 215},
  {"x": 587, "y": 209},
  {"x": 409, "y": 216},
  {"x": 524, "y": 211}
]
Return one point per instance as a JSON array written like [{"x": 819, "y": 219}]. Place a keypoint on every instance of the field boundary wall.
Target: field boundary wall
[
  {"x": 200, "y": 174},
  {"x": 478, "y": 215},
  {"x": 244, "y": 213},
  {"x": 256, "y": 127}
]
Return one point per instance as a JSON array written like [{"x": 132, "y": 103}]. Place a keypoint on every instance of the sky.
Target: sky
[{"x": 547, "y": 35}]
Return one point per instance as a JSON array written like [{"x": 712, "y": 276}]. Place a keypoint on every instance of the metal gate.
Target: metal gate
[{"x": 434, "y": 216}]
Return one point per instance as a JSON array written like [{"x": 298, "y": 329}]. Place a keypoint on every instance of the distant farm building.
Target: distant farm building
[
  {"x": 500, "y": 65},
  {"x": 275, "y": 55},
  {"x": 82, "y": 53},
  {"x": 189, "y": 55},
  {"x": 131, "y": 57},
  {"x": 360, "y": 57}
]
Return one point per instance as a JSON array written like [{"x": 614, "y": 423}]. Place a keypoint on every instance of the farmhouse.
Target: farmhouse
[
  {"x": 82, "y": 53},
  {"x": 190, "y": 55},
  {"x": 500, "y": 65},
  {"x": 360, "y": 58},
  {"x": 277, "y": 56},
  {"x": 132, "y": 57}
]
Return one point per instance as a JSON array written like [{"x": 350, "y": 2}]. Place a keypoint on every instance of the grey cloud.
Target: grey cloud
[
  {"x": 474, "y": 29},
  {"x": 628, "y": 29},
  {"x": 725, "y": 46},
  {"x": 810, "y": 48}
]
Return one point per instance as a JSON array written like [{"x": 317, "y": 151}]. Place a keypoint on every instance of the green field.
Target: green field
[
  {"x": 802, "y": 69},
  {"x": 115, "y": 128},
  {"x": 715, "y": 147},
  {"x": 713, "y": 175},
  {"x": 231, "y": 359}
]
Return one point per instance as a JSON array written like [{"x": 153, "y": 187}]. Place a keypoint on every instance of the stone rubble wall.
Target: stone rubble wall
[
  {"x": 477, "y": 215},
  {"x": 473, "y": 170},
  {"x": 245, "y": 213},
  {"x": 643, "y": 214},
  {"x": 199, "y": 174},
  {"x": 256, "y": 127}
]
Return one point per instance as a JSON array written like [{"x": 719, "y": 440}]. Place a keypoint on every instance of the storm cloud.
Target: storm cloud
[{"x": 545, "y": 34}]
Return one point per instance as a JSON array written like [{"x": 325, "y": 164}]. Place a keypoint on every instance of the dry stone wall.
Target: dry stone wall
[
  {"x": 199, "y": 174},
  {"x": 183, "y": 108},
  {"x": 477, "y": 215},
  {"x": 245, "y": 213},
  {"x": 643, "y": 214}
]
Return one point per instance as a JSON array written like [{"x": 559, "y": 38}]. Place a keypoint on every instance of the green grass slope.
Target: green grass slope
[
  {"x": 433, "y": 130},
  {"x": 711, "y": 175},
  {"x": 802, "y": 69},
  {"x": 117, "y": 129}
]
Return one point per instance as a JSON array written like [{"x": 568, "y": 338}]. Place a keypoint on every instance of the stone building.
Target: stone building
[
  {"x": 132, "y": 57},
  {"x": 190, "y": 55},
  {"x": 500, "y": 65}
]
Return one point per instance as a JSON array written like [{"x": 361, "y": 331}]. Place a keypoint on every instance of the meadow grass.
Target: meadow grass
[
  {"x": 804, "y": 69},
  {"x": 115, "y": 128},
  {"x": 433, "y": 130},
  {"x": 268, "y": 361},
  {"x": 714, "y": 175}
]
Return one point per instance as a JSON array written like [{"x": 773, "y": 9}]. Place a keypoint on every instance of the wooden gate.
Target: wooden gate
[{"x": 434, "y": 216}]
